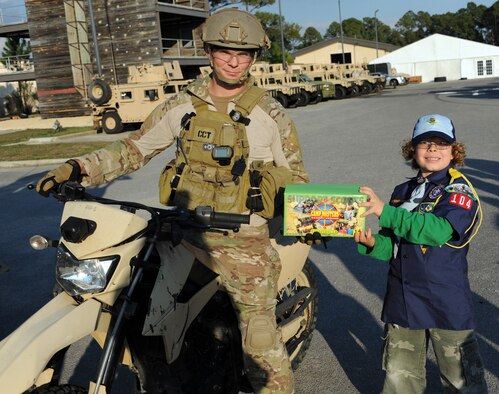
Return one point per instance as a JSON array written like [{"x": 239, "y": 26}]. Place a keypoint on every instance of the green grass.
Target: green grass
[
  {"x": 48, "y": 151},
  {"x": 25, "y": 135},
  {"x": 9, "y": 152}
]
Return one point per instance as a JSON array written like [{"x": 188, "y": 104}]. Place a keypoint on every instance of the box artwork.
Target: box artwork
[{"x": 331, "y": 210}]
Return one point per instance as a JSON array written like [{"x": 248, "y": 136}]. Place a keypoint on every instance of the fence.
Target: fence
[
  {"x": 182, "y": 48},
  {"x": 199, "y": 4},
  {"x": 18, "y": 63}
]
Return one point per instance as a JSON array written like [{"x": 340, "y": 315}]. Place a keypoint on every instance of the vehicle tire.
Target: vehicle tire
[
  {"x": 317, "y": 98},
  {"x": 111, "y": 122},
  {"x": 304, "y": 99},
  {"x": 63, "y": 389},
  {"x": 366, "y": 88},
  {"x": 99, "y": 92},
  {"x": 283, "y": 99},
  {"x": 339, "y": 92},
  {"x": 354, "y": 91},
  {"x": 299, "y": 344},
  {"x": 393, "y": 83}
]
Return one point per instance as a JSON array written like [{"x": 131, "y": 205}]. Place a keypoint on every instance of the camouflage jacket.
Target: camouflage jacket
[{"x": 271, "y": 134}]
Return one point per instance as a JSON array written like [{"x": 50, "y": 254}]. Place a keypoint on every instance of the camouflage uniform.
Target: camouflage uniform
[
  {"x": 246, "y": 262},
  {"x": 458, "y": 359}
]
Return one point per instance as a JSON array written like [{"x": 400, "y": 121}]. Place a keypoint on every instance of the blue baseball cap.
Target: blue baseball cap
[{"x": 434, "y": 126}]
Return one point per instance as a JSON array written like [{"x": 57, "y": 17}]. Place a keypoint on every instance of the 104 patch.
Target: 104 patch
[{"x": 461, "y": 200}]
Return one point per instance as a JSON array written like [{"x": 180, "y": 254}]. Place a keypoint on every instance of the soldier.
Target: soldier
[
  {"x": 225, "y": 129},
  {"x": 425, "y": 234}
]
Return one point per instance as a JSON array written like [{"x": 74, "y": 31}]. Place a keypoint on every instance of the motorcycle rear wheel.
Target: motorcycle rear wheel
[
  {"x": 306, "y": 279},
  {"x": 63, "y": 389}
]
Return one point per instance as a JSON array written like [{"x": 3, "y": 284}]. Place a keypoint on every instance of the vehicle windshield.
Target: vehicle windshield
[{"x": 306, "y": 78}]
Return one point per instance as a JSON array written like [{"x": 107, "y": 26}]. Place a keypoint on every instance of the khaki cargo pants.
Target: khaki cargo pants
[
  {"x": 456, "y": 352},
  {"x": 249, "y": 268}
]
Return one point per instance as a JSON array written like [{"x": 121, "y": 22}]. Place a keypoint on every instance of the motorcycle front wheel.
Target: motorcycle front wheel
[
  {"x": 297, "y": 334},
  {"x": 63, "y": 389}
]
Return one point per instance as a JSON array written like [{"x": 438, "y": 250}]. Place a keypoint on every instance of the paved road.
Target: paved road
[{"x": 348, "y": 141}]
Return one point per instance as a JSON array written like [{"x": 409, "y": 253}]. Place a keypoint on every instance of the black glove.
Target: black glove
[
  {"x": 69, "y": 171},
  {"x": 314, "y": 238}
]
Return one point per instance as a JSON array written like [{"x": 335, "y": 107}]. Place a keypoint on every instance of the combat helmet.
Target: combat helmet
[{"x": 236, "y": 29}]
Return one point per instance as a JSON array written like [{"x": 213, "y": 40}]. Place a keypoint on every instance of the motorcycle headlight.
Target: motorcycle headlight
[{"x": 78, "y": 277}]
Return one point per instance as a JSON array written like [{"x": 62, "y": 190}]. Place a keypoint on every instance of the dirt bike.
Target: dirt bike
[{"x": 126, "y": 279}]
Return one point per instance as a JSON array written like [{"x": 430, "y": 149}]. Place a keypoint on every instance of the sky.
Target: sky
[{"x": 320, "y": 13}]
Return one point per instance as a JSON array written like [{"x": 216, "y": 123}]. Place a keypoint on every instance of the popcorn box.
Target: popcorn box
[{"x": 331, "y": 210}]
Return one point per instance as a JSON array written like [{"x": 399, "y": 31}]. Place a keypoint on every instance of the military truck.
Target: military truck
[
  {"x": 314, "y": 74},
  {"x": 285, "y": 85},
  {"x": 114, "y": 106},
  {"x": 369, "y": 83}
]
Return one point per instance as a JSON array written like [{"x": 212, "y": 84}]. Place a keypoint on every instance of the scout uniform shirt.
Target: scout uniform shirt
[{"x": 427, "y": 281}]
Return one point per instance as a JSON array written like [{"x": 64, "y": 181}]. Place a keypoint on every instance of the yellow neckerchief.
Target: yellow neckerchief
[{"x": 454, "y": 175}]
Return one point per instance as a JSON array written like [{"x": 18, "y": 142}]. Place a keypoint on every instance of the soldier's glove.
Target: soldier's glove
[
  {"x": 69, "y": 171},
  {"x": 314, "y": 239}
]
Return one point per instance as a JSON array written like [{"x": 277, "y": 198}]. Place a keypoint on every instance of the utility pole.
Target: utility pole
[
  {"x": 94, "y": 37},
  {"x": 341, "y": 35},
  {"x": 376, "y": 30},
  {"x": 284, "y": 64}
]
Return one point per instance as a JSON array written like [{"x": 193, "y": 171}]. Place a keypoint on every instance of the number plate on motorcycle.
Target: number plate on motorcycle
[{"x": 331, "y": 210}]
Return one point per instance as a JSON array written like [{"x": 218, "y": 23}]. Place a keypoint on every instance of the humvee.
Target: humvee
[
  {"x": 285, "y": 86},
  {"x": 114, "y": 106},
  {"x": 314, "y": 74}
]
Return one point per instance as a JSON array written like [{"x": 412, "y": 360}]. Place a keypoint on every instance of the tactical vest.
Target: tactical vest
[{"x": 198, "y": 176}]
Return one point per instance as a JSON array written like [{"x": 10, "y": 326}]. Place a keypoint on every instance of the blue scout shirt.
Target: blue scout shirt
[{"x": 428, "y": 280}]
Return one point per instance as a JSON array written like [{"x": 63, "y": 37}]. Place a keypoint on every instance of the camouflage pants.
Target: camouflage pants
[
  {"x": 456, "y": 352},
  {"x": 249, "y": 268}
]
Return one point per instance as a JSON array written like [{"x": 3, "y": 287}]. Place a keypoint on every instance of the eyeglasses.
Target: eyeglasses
[
  {"x": 440, "y": 145},
  {"x": 226, "y": 56}
]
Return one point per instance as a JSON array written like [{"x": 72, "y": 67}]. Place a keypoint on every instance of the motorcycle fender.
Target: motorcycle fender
[
  {"x": 25, "y": 353},
  {"x": 293, "y": 258},
  {"x": 167, "y": 317}
]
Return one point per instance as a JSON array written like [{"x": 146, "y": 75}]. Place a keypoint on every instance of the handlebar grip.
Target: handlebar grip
[
  {"x": 230, "y": 218},
  {"x": 207, "y": 216}
]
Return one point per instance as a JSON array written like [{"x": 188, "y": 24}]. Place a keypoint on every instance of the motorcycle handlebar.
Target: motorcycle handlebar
[
  {"x": 202, "y": 215},
  {"x": 207, "y": 216}
]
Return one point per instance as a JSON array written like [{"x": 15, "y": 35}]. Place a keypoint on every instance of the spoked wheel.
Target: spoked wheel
[
  {"x": 297, "y": 333},
  {"x": 63, "y": 389}
]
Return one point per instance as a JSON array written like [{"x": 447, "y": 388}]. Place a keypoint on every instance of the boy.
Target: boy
[{"x": 425, "y": 232}]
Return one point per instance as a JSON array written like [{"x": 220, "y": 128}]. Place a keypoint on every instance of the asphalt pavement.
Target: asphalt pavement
[{"x": 355, "y": 141}]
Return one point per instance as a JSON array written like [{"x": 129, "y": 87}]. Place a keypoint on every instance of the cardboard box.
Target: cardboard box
[{"x": 331, "y": 210}]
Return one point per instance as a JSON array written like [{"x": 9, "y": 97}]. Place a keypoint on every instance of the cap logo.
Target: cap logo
[{"x": 432, "y": 121}]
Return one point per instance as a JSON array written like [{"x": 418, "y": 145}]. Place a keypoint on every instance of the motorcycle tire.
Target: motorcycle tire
[
  {"x": 305, "y": 280},
  {"x": 63, "y": 389}
]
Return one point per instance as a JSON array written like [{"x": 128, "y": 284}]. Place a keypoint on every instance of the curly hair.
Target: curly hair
[{"x": 458, "y": 154}]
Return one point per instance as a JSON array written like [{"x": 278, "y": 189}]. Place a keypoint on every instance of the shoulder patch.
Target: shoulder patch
[
  {"x": 461, "y": 200},
  {"x": 460, "y": 188}
]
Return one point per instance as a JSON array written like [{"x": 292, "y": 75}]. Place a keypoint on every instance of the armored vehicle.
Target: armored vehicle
[
  {"x": 285, "y": 86},
  {"x": 314, "y": 74},
  {"x": 114, "y": 106}
]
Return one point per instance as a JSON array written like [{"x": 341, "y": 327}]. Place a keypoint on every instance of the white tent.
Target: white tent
[{"x": 440, "y": 56}]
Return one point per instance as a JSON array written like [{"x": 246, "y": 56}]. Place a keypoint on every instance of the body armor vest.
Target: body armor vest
[{"x": 211, "y": 164}]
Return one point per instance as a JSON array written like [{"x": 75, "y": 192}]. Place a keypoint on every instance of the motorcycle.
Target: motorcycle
[{"x": 125, "y": 277}]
